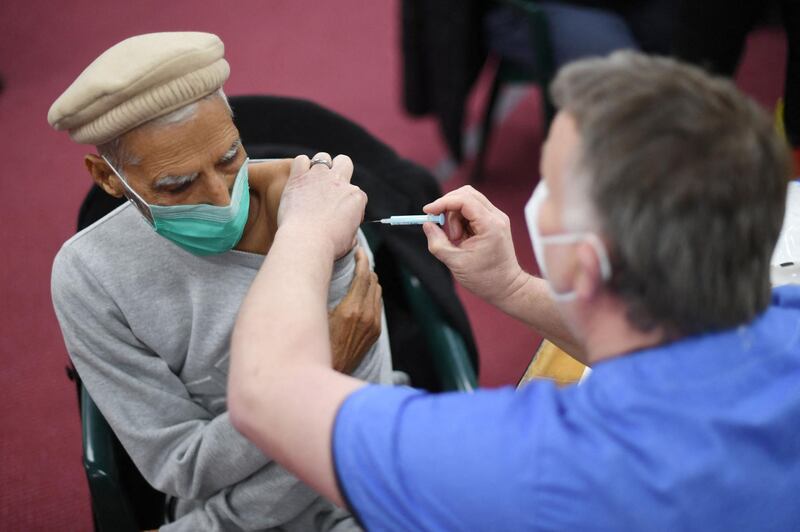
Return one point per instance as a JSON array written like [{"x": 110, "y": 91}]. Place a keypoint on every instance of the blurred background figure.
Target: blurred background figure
[
  {"x": 582, "y": 28},
  {"x": 445, "y": 44},
  {"x": 713, "y": 34}
]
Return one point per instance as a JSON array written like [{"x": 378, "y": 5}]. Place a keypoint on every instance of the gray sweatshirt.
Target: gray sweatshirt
[{"x": 148, "y": 326}]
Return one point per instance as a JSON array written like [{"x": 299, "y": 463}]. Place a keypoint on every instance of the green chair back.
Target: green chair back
[
  {"x": 451, "y": 358},
  {"x": 122, "y": 501}
]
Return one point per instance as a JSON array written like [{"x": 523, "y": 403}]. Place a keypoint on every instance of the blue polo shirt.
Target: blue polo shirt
[{"x": 701, "y": 434}]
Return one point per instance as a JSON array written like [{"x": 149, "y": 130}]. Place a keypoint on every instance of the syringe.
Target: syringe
[{"x": 412, "y": 219}]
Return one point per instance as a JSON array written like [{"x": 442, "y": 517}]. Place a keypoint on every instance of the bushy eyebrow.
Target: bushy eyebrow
[
  {"x": 179, "y": 180},
  {"x": 174, "y": 180},
  {"x": 231, "y": 153}
]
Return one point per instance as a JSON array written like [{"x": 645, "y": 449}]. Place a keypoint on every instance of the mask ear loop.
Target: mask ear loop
[
  {"x": 137, "y": 201},
  {"x": 602, "y": 255},
  {"x": 573, "y": 238}
]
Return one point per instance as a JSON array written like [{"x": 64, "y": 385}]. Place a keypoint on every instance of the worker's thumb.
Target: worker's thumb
[
  {"x": 438, "y": 243},
  {"x": 300, "y": 165}
]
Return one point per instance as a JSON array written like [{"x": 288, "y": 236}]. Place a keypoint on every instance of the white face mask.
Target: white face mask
[{"x": 539, "y": 242}]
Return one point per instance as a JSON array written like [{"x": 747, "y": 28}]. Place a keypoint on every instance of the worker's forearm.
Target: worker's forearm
[
  {"x": 282, "y": 393},
  {"x": 530, "y": 301},
  {"x": 281, "y": 333},
  {"x": 285, "y": 308}
]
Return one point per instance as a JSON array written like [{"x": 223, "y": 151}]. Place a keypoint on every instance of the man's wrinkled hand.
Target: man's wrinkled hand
[
  {"x": 319, "y": 204},
  {"x": 355, "y": 323},
  {"x": 477, "y": 247}
]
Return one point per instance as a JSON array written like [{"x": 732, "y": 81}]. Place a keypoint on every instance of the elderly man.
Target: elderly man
[
  {"x": 147, "y": 296},
  {"x": 661, "y": 200}
]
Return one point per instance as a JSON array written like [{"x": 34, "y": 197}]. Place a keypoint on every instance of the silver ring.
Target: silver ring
[{"x": 321, "y": 160}]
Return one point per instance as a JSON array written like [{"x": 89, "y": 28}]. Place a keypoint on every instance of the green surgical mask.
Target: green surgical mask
[{"x": 199, "y": 229}]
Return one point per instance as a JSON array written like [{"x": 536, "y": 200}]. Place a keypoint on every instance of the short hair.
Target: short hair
[
  {"x": 688, "y": 181},
  {"x": 118, "y": 155}
]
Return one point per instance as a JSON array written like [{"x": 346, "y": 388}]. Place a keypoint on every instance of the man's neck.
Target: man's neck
[
  {"x": 610, "y": 333},
  {"x": 266, "y": 186}
]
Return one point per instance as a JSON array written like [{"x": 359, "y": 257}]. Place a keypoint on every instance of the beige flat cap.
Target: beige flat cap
[{"x": 139, "y": 79}]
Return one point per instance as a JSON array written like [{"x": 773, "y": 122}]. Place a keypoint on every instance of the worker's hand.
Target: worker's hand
[
  {"x": 320, "y": 204},
  {"x": 355, "y": 323},
  {"x": 477, "y": 247}
]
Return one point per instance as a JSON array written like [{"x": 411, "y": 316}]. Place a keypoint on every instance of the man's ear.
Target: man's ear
[
  {"x": 103, "y": 175},
  {"x": 588, "y": 277}
]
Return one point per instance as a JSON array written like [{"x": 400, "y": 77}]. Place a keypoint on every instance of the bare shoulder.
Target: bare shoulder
[
  {"x": 271, "y": 176},
  {"x": 268, "y": 170}
]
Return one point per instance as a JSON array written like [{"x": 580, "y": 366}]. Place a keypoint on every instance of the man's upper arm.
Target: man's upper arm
[{"x": 180, "y": 447}]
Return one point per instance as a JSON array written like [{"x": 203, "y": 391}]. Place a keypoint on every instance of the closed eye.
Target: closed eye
[{"x": 180, "y": 188}]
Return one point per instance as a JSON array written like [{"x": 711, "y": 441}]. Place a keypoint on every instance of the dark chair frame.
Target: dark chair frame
[{"x": 509, "y": 71}]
